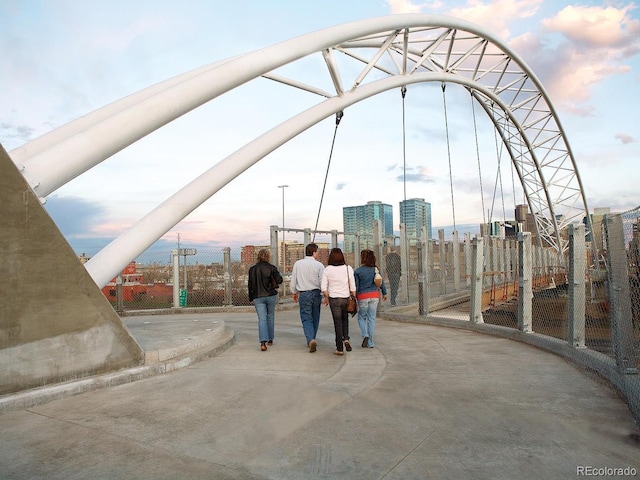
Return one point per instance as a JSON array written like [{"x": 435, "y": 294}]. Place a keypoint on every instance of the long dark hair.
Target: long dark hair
[
  {"x": 336, "y": 257},
  {"x": 367, "y": 258}
]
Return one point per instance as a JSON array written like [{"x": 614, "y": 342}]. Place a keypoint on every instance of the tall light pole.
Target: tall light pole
[{"x": 284, "y": 260}]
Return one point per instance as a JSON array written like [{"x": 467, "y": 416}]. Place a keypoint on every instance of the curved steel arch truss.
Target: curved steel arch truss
[
  {"x": 509, "y": 93},
  {"x": 384, "y": 53}
]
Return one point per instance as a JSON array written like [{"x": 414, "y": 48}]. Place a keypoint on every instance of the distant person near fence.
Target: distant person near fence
[{"x": 394, "y": 272}]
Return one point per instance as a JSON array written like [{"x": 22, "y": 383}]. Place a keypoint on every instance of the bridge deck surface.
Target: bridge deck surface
[{"x": 426, "y": 402}]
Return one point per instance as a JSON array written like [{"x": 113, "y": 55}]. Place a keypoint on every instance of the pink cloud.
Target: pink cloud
[
  {"x": 596, "y": 42},
  {"x": 624, "y": 138},
  {"x": 596, "y": 27},
  {"x": 497, "y": 15}
]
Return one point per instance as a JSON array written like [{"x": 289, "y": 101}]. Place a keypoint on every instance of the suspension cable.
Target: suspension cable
[
  {"x": 446, "y": 124},
  {"x": 326, "y": 176},
  {"x": 498, "y": 180},
  {"x": 403, "y": 90},
  {"x": 475, "y": 131},
  {"x": 513, "y": 183}
]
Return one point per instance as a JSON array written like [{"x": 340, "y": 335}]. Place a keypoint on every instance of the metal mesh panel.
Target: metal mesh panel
[
  {"x": 148, "y": 282},
  {"x": 631, "y": 232}
]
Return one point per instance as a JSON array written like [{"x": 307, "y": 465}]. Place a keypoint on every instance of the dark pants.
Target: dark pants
[
  {"x": 340, "y": 316},
  {"x": 394, "y": 283}
]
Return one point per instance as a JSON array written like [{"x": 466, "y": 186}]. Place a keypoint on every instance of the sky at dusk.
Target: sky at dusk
[{"x": 63, "y": 59}]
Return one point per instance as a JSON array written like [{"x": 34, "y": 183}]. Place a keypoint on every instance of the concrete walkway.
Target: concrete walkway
[{"x": 427, "y": 402}]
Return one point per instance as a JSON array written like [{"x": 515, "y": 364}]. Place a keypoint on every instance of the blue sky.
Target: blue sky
[{"x": 63, "y": 59}]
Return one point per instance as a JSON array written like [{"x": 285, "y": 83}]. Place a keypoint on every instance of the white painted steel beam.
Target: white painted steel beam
[
  {"x": 114, "y": 257},
  {"x": 105, "y": 135}
]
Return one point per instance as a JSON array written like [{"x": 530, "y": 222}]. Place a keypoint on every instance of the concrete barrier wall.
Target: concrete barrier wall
[{"x": 55, "y": 323}]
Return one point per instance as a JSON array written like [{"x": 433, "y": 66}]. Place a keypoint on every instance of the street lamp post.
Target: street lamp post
[{"x": 284, "y": 261}]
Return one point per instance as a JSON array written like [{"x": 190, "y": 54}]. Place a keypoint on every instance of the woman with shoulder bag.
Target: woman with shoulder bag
[
  {"x": 368, "y": 293},
  {"x": 264, "y": 279},
  {"x": 337, "y": 285}
]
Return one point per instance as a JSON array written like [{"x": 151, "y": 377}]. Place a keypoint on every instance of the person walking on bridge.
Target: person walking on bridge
[
  {"x": 368, "y": 293},
  {"x": 306, "y": 278},
  {"x": 337, "y": 284},
  {"x": 264, "y": 279}
]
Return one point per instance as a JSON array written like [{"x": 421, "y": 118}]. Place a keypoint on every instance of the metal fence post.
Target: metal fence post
[
  {"x": 619, "y": 293},
  {"x": 273, "y": 246},
  {"x": 455, "y": 246},
  {"x": 576, "y": 287},
  {"x": 467, "y": 259},
  {"x": 431, "y": 255},
  {"x": 176, "y": 278},
  {"x": 119, "y": 299},
  {"x": 377, "y": 240},
  {"x": 525, "y": 291},
  {"x": 424, "y": 279},
  {"x": 507, "y": 260},
  {"x": 502, "y": 278},
  {"x": 421, "y": 254},
  {"x": 442, "y": 255},
  {"x": 477, "y": 254},
  {"x": 504, "y": 260},
  {"x": 514, "y": 260},
  {"x": 228, "y": 288},
  {"x": 495, "y": 266},
  {"x": 404, "y": 262}
]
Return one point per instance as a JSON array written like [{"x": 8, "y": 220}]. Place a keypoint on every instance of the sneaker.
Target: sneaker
[
  {"x": 365, "y": 342},
  {"x": 338, "y": 352},
  {"x": 347, "y": 345},
  {"x": 312, "y": 346}
]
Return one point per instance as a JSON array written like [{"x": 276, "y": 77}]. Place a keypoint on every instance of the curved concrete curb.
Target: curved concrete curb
[{"x": 157, "y": 362}]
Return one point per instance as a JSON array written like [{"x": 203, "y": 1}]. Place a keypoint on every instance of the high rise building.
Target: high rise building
[
  {"x": 415, "y": 213},
  {"x": 359, "y": 220}
]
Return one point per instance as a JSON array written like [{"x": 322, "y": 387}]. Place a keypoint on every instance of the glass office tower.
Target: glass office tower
[
  {"x": 359, "y": 220},
  {"x": 415, "y": 213}
]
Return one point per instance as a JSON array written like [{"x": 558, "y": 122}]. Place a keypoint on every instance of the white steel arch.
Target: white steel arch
[{"x": 389, "y": 52}]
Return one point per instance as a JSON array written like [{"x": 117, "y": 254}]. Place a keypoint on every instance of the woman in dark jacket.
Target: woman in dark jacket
[
  {"x": 368, "y": 294},
  {"x": 264, "y": 279}
]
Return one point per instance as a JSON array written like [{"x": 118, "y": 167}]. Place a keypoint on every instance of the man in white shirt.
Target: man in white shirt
[{"x": 306, "y": 277}]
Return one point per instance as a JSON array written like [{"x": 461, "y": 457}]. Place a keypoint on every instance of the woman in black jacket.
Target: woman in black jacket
[{"x": 264, "y": 279}]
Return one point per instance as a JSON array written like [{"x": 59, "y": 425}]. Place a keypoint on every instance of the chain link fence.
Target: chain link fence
[{"x": 209, "y": 278}]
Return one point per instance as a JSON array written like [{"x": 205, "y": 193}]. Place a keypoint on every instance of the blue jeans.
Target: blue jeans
[
  {"x": 310, "y": 302},
  {"x": 266, "y": 310},
  {"x": 367, "y": 310}
]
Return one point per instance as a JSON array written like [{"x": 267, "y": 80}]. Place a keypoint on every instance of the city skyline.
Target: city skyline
[{"x": 64, "y": 60}]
